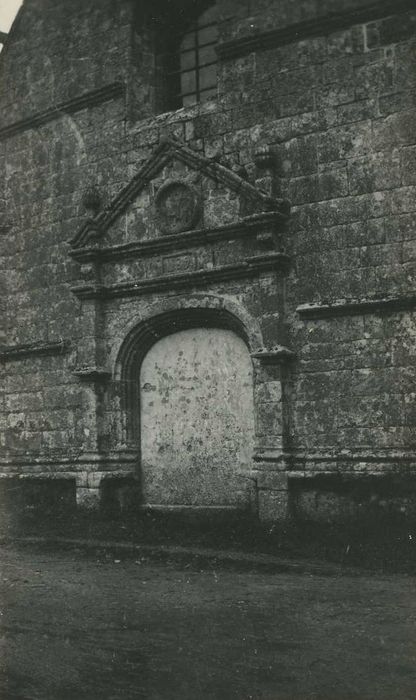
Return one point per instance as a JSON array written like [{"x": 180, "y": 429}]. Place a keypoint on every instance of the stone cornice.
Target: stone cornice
[
  {"x": 249, "y": 267},
  {"x": 354, "y": 454},
  {"x": 320, "y": 26},
  {"x": 93, "y": 374},
  {"x": 47, "y": 464},
  {"x": 278, "y": 355},
  {"x": 89, "y": 99},
  {"x": 357, "y": 307},
  {"x": 250, "y": 226},
  {"x": 16, "y": 352},
  {"x": 344, "y": 473}
]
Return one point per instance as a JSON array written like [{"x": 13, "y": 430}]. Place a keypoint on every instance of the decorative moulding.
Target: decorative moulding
[
  {"x": 265, "y": 157},
  {"x": 168, "y": 150},
  {"x": 92, "y": 200},
  {"x": 319, "y": 26},
  {"x": 16, "y": 352},
  {"x": 93, "y": 374},
  {"x": 275, "y": 356},
  {"x": 357, "y": 307},
  {"x": 250, "y": 267},
  {"x": 178, "y": 206},
  {"x": 346, "y": 465},
  {"x": 89, "y": 99},
  {"x": 66, "y": 461},
  {"x": 259, "y": 225}
]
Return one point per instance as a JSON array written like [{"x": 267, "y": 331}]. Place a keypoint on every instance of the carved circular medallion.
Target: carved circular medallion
[{"x": 177, "y": 206}]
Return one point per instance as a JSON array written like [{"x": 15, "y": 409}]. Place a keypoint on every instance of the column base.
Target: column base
[
  {"x": 273, "y": 496},
  {"x": 88, "y": 498},
  {"x": 273, "y": 506}
]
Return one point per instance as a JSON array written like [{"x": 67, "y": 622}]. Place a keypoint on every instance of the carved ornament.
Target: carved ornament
[{"x": 178, "y": 207}]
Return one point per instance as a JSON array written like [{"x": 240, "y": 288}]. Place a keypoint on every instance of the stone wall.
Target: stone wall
[
  {"x": 58, "y": 51},
  {"x": 329, "y": 88}
]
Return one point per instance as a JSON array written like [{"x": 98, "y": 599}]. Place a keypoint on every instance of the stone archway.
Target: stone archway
[
  {"x": 197, "y": 419},
  {"x": 223, "y": 407}
]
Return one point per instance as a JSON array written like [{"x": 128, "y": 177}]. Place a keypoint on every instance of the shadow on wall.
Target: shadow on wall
[
  {"x": 371, "y": 507},
  {"x": 341, "y": 498}
]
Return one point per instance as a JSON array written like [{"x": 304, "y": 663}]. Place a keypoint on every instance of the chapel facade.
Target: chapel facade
[{"x": 209, "y": 253}]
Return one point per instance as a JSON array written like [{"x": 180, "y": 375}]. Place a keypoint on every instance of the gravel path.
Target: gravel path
[{"x": 87, "y": 626}]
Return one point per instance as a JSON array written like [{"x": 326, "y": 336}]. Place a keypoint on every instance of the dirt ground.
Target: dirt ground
[{"x": 78, "y": 626}]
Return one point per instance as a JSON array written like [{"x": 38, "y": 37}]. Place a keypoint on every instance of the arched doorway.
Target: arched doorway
[{"x": 196, "y": 419}]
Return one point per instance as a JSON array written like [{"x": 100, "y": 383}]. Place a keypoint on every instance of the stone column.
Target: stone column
[
  {"x": 91, "y": 369},
  {"x": 272, "y": 452},
  {"x": 94, "y": 377}
]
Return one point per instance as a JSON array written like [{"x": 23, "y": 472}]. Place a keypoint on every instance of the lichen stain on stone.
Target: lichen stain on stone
[{"x": 197, "y": 420}]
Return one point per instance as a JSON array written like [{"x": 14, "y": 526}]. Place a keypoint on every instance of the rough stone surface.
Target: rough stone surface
[
  {"x": 337, "y": 110},
  {"x": 197, "y": 419}
]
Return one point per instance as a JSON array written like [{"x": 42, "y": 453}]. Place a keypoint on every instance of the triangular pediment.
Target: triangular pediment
[{"x": 183, "y": 181}]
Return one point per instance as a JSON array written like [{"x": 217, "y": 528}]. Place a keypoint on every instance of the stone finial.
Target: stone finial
[
  {"x": 265, "y": 160},
  {"x": 91, "y": 200},
  {"x": 265, "y": 157}
]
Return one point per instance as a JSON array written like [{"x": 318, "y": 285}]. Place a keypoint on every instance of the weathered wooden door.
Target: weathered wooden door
[{"x": 197, "y": 419}]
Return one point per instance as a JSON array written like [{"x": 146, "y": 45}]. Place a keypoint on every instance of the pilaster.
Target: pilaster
[{"x": 272, "y": 450}]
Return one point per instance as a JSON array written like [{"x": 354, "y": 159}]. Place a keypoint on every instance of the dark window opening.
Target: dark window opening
[{"x": 186, "y": 62}]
